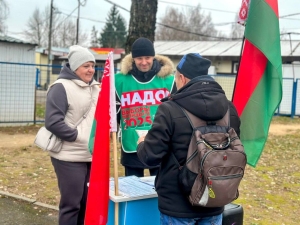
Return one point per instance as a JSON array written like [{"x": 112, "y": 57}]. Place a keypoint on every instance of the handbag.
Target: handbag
[
  {"x": 47, "y": 141},
  {"x": 50, "y": 142}
]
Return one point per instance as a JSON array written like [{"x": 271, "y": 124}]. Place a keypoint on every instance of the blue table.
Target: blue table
[{"x": 137, "y": 202}]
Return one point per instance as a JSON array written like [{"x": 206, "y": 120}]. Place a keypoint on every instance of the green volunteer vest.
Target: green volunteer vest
[{"x": 139, "y": 102}]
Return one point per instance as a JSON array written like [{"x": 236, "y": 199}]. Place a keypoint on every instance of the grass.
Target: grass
[
  {"x": 269, "y": 193},
  {"x": 40, "y": 110},
  {"x": 285, "y": 120},
  {"x": 26, "y": 170}
]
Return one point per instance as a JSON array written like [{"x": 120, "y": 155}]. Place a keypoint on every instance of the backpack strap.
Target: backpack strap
[
  {"x": 194, "y": 122},
  {"x": 175, "y": 160},
  {"x": 197, "y": 122}
]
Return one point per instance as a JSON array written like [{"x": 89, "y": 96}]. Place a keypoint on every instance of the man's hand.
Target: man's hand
[{"x": 142, "y": 138}]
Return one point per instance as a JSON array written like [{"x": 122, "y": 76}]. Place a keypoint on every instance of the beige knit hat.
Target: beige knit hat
[{"x": 79, "y": 55}]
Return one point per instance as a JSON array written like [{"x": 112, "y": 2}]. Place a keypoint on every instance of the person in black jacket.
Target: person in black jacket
[{"x": 171, "y": 133}]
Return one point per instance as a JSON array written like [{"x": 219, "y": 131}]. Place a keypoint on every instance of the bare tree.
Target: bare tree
[
  {"x": 65, "y": 34},
  {"x": 188, "y": 24},
  {"x": 63, "y": 29},
  {"x": 4, "y": 10},
  {"x": 35, "y": 31},
  {"x": 37, "y": 27},
  {"x": 142, "y": 21},
  {"x": 237, "y": 30}
]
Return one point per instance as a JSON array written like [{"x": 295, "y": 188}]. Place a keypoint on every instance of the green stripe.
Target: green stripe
[
  {"x": 92, "y": 136},
  {"x": 262, "y": 30},
  {"x": 258, "y": 113}
]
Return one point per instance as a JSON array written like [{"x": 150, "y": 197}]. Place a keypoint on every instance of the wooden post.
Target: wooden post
[{"x": 116, "y": 170}]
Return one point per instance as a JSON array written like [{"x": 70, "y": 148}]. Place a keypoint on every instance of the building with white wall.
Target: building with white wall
[{"x": 17, "y": 86}]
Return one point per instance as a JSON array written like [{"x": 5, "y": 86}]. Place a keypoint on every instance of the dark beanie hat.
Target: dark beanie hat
[
  {"x": 142, "y": 47},
  {"x": 193, "y": 65}
]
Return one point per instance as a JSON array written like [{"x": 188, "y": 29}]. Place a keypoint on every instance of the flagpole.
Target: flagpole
[
  {"x": 242, "y": 19},
  {"x": 113, "y": 123},
  {"x": 114, "y": 139},
  {"x": 237, "y": 73}
]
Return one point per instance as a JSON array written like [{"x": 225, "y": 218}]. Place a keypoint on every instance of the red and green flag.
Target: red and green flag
[
  {"x": 104, "y": 122},
  {"x": 258, "y": 89}
]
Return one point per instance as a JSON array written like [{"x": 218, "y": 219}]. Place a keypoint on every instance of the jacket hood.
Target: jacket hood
[
  {"x": 203, "y": 97},
  {"x": 67, "y": 73},
  {"x": 167, "y": 66}
]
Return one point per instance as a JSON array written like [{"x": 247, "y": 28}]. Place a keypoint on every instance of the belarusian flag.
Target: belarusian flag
[
  {"x": 104, "y": 122},
  {"x": 258, "y": 89}
]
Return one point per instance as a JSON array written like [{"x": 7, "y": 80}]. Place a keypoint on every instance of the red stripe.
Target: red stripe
[
  {"x": 252, "y": 67},
  {"x": 98, "y": 193},
  {"x": 103, "y": 49},
  {"x": 274, "y": 5}
]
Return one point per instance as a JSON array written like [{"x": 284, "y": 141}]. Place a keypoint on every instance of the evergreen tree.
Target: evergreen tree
[
  {"x": 94, "y": 37},
  {"x": 114, "y": 33},
  {"x": 121, "y": 28}
]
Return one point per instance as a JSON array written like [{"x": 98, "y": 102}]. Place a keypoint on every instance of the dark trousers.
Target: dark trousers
[
  {"x": 139, "y": 172},
  {"x": 72, "y": 180}
]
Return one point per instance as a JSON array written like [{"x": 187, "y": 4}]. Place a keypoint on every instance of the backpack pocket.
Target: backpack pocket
[
  {"x": 186, "y": 179},
  {"x": 221, "y": 190},
  {"x": 222, "y": 172}
]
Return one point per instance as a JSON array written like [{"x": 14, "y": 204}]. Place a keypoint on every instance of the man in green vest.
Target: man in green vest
[{"x": 144, "y": 79}]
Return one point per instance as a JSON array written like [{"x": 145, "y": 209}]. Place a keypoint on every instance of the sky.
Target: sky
[{"x": 95, "y": 12}]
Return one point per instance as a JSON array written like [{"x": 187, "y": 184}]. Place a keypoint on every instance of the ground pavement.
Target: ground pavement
[{"x": 17, "y": 210}]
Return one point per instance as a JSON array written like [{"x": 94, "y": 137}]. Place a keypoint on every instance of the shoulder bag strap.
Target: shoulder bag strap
[{"x": 84, "y": 115}]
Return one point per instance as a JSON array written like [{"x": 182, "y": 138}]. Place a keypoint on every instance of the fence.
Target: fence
[
  {"x": 47, "y": 74},
  {"x": 23, "y": 92}
]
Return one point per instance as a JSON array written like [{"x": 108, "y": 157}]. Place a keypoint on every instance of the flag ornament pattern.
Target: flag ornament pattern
[
  {"x": 243, "y": 13},
  {"x": 98, "y": 193},
  {"x": 258, "y": 89}
]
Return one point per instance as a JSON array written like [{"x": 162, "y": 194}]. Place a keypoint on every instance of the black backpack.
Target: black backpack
[{"x": 214, "y": 165}]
